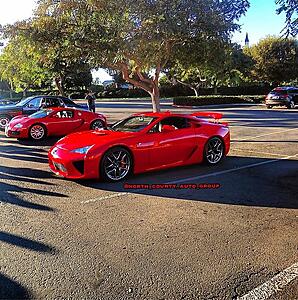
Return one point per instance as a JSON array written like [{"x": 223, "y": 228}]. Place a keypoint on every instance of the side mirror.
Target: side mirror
[{"x": 167, "y": 128}]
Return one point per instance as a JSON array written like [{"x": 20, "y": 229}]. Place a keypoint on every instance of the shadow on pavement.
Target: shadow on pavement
[
  {"x": 25, "y": 243},
  {"x": 10, "y": 289},
  {"x": 8, "y": 196},
  {"x": 26, "y": 172},
  {"x": 268, "y": 184}
]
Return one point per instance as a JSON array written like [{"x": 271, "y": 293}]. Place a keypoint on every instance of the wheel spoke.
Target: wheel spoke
[
  {"x": 214, "y": 150},
  {"x": 117, "y": 165}
]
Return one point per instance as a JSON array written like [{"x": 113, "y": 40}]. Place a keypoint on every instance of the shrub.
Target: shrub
[{"x": 213, "y": 100}]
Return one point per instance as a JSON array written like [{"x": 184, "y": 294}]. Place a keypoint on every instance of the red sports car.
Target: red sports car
[
  {"x": 140, "y": 143},
  {"x": 54, "y": 122}
]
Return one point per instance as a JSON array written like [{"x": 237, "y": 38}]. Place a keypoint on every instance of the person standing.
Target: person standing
[{"x": 91, "y": 100}]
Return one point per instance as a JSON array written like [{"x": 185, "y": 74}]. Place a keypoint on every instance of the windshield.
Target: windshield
[
  {"x": 133, "y": 124},
  {"x": 41, "y": 114},
  {"x": 279, "y": 92},
  {"x": 24, "y": 101}
]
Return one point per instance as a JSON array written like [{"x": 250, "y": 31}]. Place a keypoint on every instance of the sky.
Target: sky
[{"x": 259, "y": 21}]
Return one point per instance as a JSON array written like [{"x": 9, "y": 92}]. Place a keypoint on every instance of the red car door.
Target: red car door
[
  {"x": 64, "y": 122},
  {"x": 171, "y": 141}
]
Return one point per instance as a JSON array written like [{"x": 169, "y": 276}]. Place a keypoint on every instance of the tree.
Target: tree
[
  {"x": 21, "y": 66},
  {"x": 210, "y": 64},
  {"x": 290, "y": 8},
  {"x": 134, "y": 37},
  {"x": 275, "y": 60}
]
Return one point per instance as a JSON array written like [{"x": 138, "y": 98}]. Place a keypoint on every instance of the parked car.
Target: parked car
[
  {"x": 140, "y": 143},
  {"x": 31, "y": 105},
  {"x": 282, "y": 96},
  {"x": 5, "y": 102},
  {"x": 54, "y": 122}
]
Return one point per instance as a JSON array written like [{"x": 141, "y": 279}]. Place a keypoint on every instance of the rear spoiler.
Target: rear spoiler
[{"x": 214, "y": 115}]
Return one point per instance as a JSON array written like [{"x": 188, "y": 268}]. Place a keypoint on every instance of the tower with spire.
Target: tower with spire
[{"x": 246, "y": 40}]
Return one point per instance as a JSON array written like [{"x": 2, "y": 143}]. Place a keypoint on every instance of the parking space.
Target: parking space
[{"x": 95, "y": 240}]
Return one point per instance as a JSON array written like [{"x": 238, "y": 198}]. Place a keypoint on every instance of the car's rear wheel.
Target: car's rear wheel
[
  {"x": 37, "y": 132},
  {"x": 97, "y": 124},
  {"x": 4, "y": 120},
  {"x": 214, "y": 151},
  {"x": 116, "y": 164}
]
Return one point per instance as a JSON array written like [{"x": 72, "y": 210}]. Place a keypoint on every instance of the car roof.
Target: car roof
[{"x": 280, "y": 88}]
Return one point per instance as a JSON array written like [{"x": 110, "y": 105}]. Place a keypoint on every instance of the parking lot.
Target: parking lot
[{"x": 63, "y": 239}]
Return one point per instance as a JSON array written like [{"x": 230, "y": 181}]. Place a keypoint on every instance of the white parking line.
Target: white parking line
[
  {"x": 105, "y": 197},
  {"x": 274, "y": 285},
  {"x": 196, "y": 177},
  {"x": 232, "y": 170}
]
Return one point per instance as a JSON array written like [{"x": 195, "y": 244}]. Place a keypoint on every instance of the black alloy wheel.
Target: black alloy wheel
[{"x": 116, "y": 164}]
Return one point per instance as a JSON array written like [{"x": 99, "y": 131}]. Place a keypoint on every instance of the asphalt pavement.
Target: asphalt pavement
[{"x": 63, "y": 239}]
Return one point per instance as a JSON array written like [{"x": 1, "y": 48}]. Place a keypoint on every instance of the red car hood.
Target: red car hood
[
  {"x": 88, "y": 138},
  {"x": 19, "y": 119}
]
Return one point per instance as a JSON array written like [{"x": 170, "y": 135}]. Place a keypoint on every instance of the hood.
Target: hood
[
  {"x": 10, "y": 108},
  {"x": 19, "y": 119},
  {"x": 94, "y": 137}
]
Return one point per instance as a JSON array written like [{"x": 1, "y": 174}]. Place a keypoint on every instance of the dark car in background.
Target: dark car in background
[
  {"x": 33, "y": 104},
  {"x": 282, "y": 96},
  {"x": 5, "y": 102}
]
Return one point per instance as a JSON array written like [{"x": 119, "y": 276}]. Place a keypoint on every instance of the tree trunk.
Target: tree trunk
[
  {"x": 146, "y": 84},
  {"x": 215, "y": 90},
  {"x": 155, "y": 98}
]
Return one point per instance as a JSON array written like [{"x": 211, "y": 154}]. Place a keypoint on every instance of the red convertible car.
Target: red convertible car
[
  {"x": 54, "y": 122},
  {"x": 143, "y": 142}
]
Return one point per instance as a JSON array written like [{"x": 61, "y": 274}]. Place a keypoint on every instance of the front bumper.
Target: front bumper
[
  {"x": 277, "y": 102},
  {"x": 72, "y": 165},
  {"x": 17, "y": 133}
]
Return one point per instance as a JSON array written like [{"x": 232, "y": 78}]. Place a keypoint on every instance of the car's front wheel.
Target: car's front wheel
[
  {"x": 214, "y": 151},
  {"x": 37, "y": 132},
  {"x": 4, "y": 120},
  {"x": 97, "y": 124},
  {"x": 116, "y": 164}
]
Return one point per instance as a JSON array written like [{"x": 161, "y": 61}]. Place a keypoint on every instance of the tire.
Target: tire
[
  {"x": 4, "y": 120},
  {"x": 214, "y": 151},
  {"x": 97, "y": 124},
  {"x": 37, "y": 132},
  {"x": 269, "y": 106},
  {"x": 116, "y": 164}
]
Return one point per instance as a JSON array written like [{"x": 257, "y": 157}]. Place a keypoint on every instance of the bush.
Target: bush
[{"x": 213, "y": 100}]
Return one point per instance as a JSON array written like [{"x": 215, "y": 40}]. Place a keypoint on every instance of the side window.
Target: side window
[
  {"x": 34, "y": 103},
  {"x": 65, "y": 114},
  {"x": 175, "y": 122}
]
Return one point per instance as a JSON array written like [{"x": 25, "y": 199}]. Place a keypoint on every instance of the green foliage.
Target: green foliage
[
  {"x": 21, "y": 66},
  {"x": 211, "y": 64},
  {"x": 275, "y": 60},
  {"x": 290, "y": 8}
]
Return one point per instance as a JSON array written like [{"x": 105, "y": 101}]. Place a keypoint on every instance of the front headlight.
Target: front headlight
[
  {"x": 83, "y": 150},
  {"x": 19, "y": 125}
]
